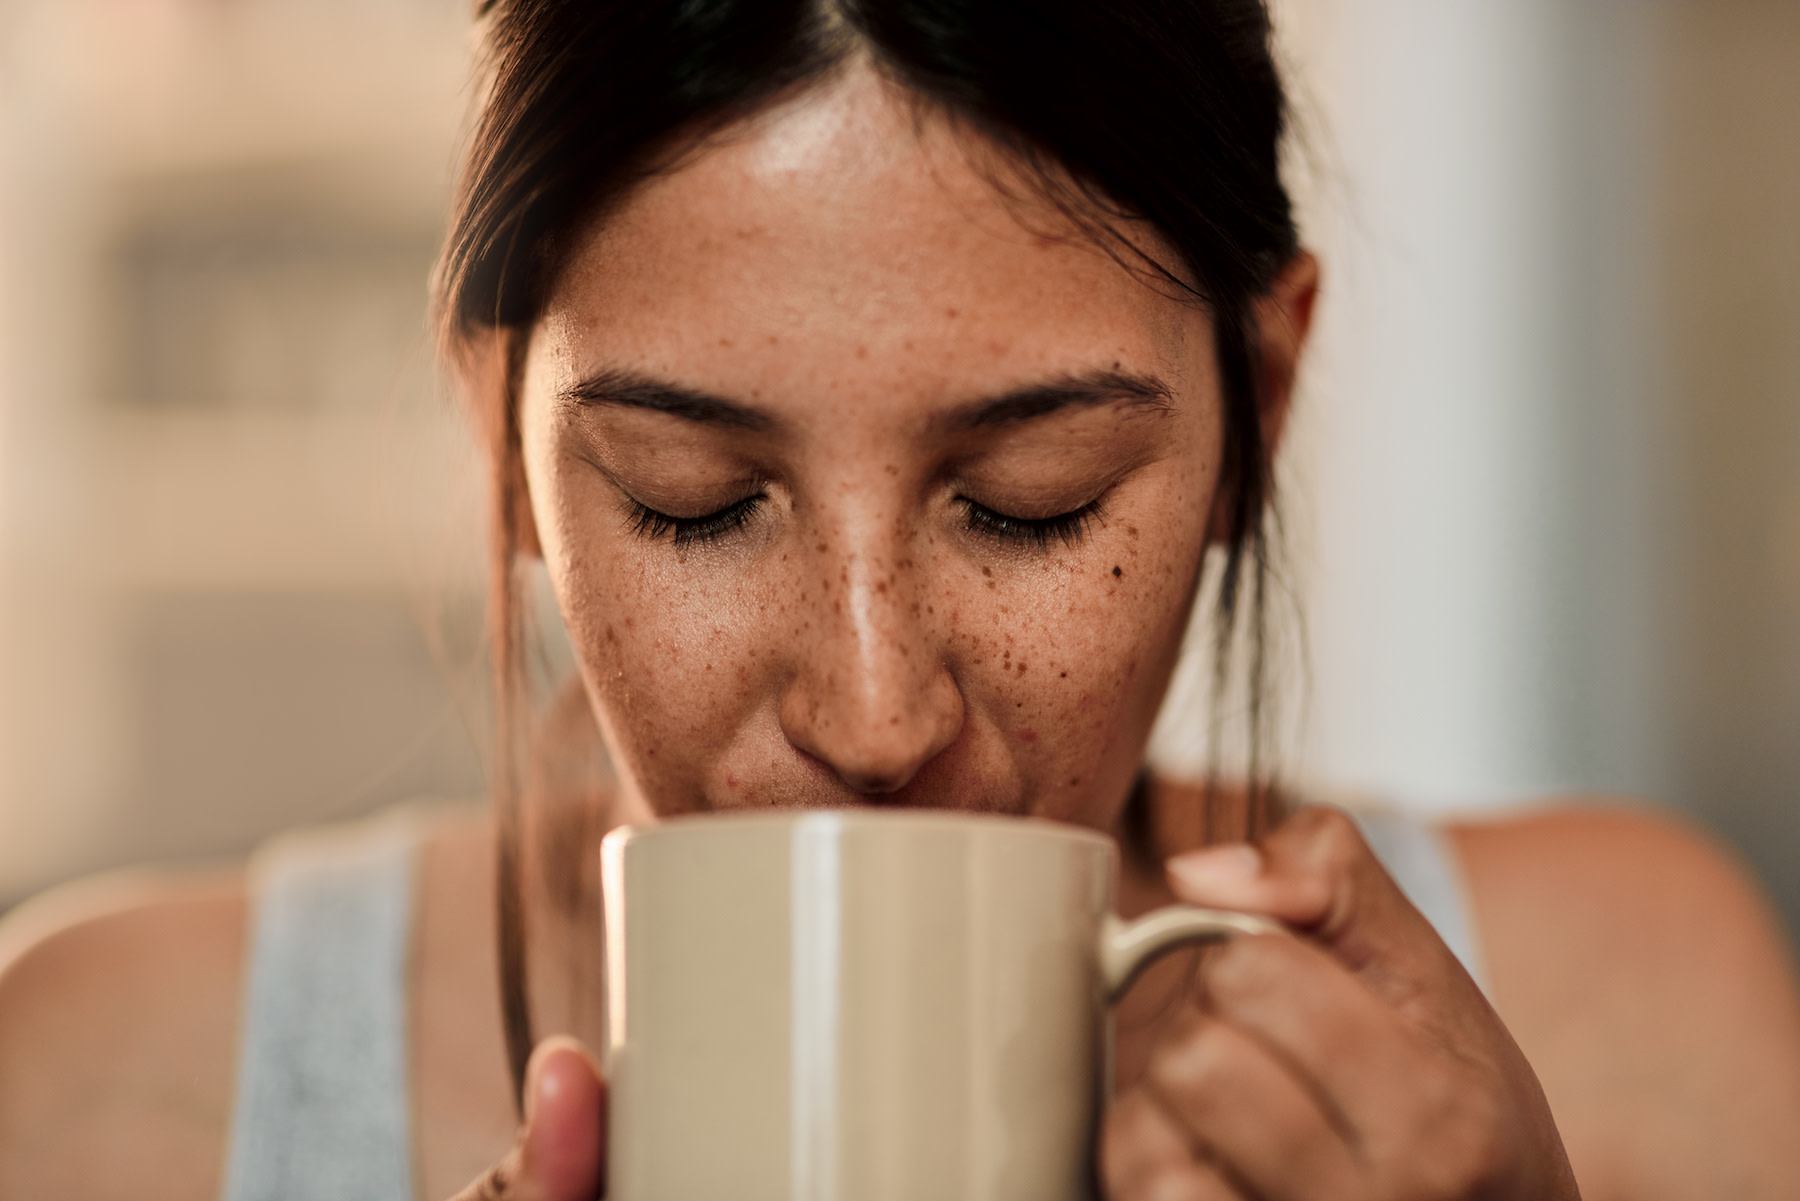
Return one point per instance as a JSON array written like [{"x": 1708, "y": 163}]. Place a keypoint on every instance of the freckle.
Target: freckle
[
  {"x": 773, "y": 339},
  {"x": 1021, "y": 667},
  {"x": 1117, "y": 573},
  {"x": 725, "y": 342},
  {"x": 1065, "y": 675},
  {"x": 1027, "y": 735},
  {"x": 990, "y": 584},
  {"x": 1074, "y": 780},
  {"x": 952, "y": 313},
  {"x": 822, "y": 548},
  {"x": 862, "y": 352},
  {"x": 987, "y": 571}
]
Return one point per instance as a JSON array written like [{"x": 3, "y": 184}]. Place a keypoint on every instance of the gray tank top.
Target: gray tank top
[
  {"x": 322, "y": 1111},
  {"x": 322, "y": 1105}
]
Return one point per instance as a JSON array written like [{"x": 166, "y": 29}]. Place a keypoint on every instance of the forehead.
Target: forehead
[{"x": 852, "y": 230}]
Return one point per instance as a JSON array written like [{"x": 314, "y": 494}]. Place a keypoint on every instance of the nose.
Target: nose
[{"x": 871, "y": 696}]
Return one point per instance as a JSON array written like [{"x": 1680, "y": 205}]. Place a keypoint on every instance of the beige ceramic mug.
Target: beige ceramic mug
[{"x": 865, "y": 1005}]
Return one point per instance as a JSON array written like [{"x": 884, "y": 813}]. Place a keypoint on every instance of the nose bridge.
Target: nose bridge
[
  {"x": 872, "y": 698},
  {"x": 878, "y": 579}
]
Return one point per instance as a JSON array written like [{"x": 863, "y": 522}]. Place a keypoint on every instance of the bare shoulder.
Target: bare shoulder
[
  {"x": 1644, "y": 975},
  {"x": 118, "y": 1028}
]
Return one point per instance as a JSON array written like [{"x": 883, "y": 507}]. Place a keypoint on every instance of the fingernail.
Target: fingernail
[{"x": 1217, "y": 866}]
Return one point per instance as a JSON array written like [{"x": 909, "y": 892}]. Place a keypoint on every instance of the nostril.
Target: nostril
[
  {"x": 866, "y": 781},
  {"x": 869, "y": 785}
]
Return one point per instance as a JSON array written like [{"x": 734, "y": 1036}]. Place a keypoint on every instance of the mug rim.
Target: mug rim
[{"x": 1023, "y": 825}]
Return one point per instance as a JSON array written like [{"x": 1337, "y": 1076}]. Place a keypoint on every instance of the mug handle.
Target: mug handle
[{"x": 1126, "y": 948}]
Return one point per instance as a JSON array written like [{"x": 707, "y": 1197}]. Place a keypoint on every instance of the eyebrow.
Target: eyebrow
[
  {"x": 1083, "y": 390},
  {"x": 636, "y": 391}
]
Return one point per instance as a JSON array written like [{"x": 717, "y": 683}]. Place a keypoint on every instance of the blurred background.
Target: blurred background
[{"x": 1543, "y": 489}]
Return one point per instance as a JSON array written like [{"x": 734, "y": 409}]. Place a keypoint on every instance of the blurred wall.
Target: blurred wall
[
  {"x": 1727, "y": 328},
  {"x": 235, "y": 515},
  {"x": 1543, "y": 485}
]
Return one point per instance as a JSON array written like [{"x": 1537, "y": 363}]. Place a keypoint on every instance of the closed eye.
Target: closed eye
[
  {"x": 1030, "y": 532},
  {"x": 690, "y": 531}
]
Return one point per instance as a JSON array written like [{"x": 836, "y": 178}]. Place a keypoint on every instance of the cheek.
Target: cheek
[
  {"x": 1070, "y": 663},
  {"x": 678, "y": 659}
]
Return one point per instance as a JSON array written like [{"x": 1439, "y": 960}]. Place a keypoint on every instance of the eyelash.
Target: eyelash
[
  {"x": 690, "y": 531},
  {"x": 1034, "y": 533},
  {"x": 1025, "y": 532}
]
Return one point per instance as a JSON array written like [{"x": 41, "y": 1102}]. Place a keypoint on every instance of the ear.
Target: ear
[
  {"x": 1283, "y": 317},
  {"x": 488, "y": 370}
]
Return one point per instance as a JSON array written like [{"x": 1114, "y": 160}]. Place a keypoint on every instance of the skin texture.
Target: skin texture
[
  {"x": 861, "y": 635},
  {"x": 861, "y": 290},
  {"x": 843, "y": 268}
]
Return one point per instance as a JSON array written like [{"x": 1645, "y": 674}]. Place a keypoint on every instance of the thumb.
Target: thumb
[
  {"x": 560, "y": 1152},
  {"x": 1315, "y": 873}
]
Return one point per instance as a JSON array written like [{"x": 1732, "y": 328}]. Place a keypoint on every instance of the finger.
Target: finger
[
  {"x": 560, "y": 1155},
  {"x": 1245, "y": 1105},
  {"x": 1145, "y": 1155},
  {"x": 565, "y": 1121},
  {"x": 1349, "y": 1049},
  {"x": 1315, "y": 873}
]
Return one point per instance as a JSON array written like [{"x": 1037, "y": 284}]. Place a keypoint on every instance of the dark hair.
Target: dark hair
[{"x": 1167, "y": 112}]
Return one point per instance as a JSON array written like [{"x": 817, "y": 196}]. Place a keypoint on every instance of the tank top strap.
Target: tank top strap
[
  {"x": 1424, "y": 865},
  {"x": 321, "y": 1109}
]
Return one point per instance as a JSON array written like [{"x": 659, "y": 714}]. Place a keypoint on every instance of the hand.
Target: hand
[
  {"x": 560, "y": 1153},
  {"x": 1357, "y": 1062}
]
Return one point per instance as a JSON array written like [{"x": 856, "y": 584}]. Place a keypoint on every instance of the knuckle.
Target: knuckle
[
  {"x": 1244, "y": 971},
  {"x": 1336, "y": 840},
  {"x": 1318, "y": 849},
  {"x": 1190, "y": 1062},
  {"x": 1136, "y": 1143}
]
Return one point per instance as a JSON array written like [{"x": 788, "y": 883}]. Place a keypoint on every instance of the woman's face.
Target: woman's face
[{"x": 859, "y": 481}]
